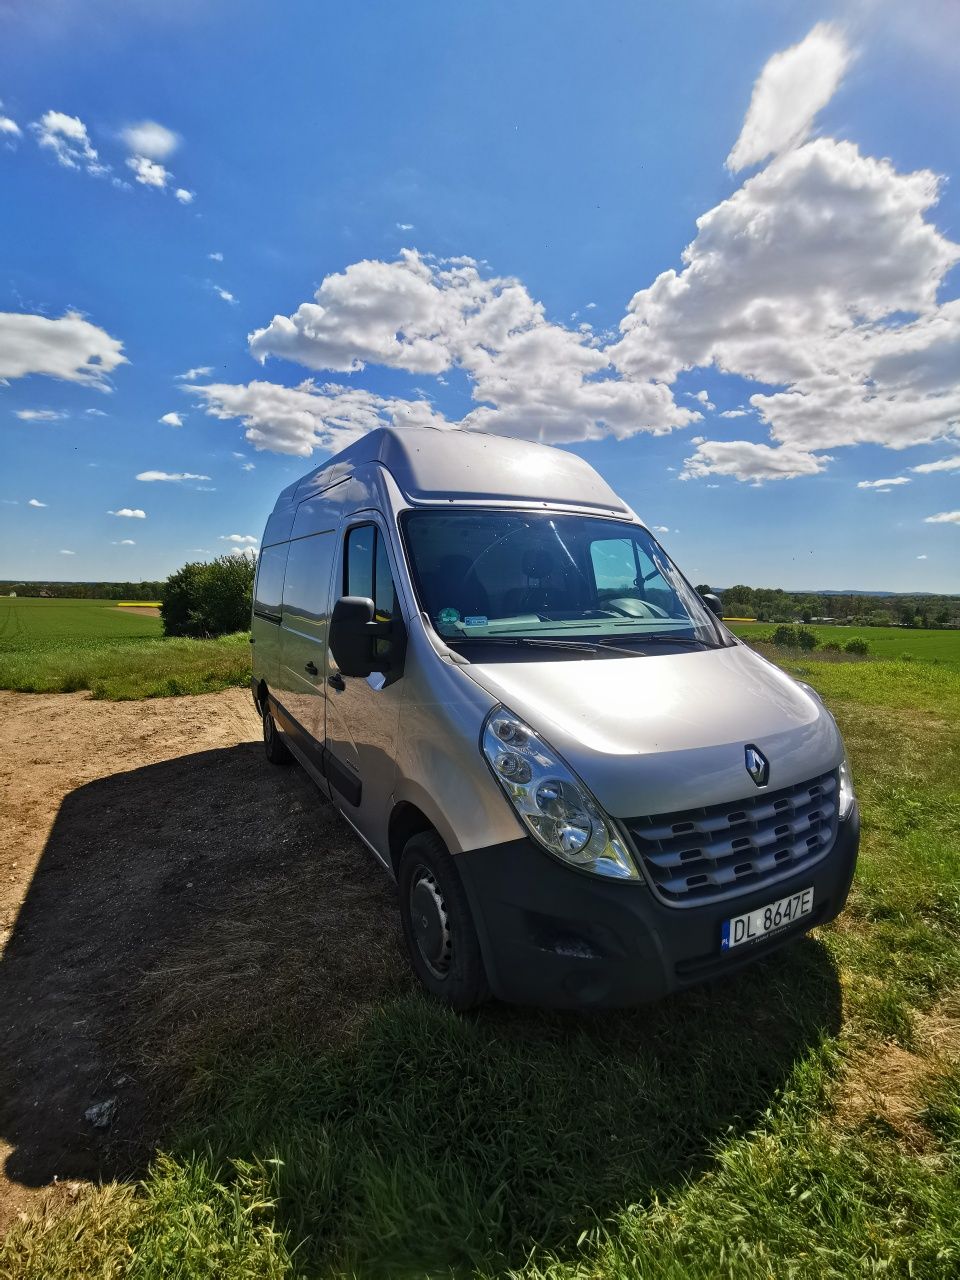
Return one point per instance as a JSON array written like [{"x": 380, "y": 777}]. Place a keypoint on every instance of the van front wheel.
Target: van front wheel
[{"x": 437, "y": 925}]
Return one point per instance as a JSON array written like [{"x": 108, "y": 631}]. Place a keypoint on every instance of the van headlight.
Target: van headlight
[
  {"x": 551, "y": 801},
  {"x": 846, "y": 797}
]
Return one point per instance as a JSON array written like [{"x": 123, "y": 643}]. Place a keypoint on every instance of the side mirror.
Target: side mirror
[
  {"x": 354, "y": 631},
  {"x": 713, "y": 603}
]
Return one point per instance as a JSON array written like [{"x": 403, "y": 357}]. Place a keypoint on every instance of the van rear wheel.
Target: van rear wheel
[
  {"x": 437, "y": 924},
  {"x": 276, "y": 750}
]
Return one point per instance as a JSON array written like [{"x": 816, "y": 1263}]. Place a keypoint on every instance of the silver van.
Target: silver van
[{"x": 588, "y": 790}]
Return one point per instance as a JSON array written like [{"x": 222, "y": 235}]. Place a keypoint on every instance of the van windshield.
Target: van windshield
[{"x": 486, "y": 574}]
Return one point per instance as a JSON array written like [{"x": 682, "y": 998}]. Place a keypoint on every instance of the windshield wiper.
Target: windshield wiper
[
  {"x": 664, "y": 637},
  {"x": 552, "y": 642}
]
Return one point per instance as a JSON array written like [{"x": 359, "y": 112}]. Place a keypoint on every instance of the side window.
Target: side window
[
  {"x": 614, "y": 567},
  {"x": 306, "y": 586},
  {"x": 269, "y": 587},
  {"x": 367, "y": 573}
]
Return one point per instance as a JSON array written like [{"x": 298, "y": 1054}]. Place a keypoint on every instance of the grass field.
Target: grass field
[
  {"x": 884, "y": 642},
  {"x": 801, "y": 1120},
  {"x": 59, "y": 646}
]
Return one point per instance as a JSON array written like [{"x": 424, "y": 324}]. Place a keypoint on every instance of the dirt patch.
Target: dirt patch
[
  {"x": 888, "y": 1084},
  {"x": 151, "y": 611},
  {"x": 164, "y": 893}
]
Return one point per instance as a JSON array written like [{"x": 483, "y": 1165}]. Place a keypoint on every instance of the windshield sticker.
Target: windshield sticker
[
  {"x": 476, "y": 620},
  {"x": 448, "y": 617}
]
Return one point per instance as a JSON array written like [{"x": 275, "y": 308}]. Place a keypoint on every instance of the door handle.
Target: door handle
[
  {"x": 336, "y": 681},
  {"x": 311, "y": 669}
]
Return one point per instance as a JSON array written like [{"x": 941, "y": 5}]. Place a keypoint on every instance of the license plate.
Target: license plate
[{"x": 765, "y": 920}]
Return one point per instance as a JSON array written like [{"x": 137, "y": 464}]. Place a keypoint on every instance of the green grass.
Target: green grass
[
  {"x": 61, "y": 646},
  {"x": 713, "y": 1134},
  {"x": 884, "y": 642}
]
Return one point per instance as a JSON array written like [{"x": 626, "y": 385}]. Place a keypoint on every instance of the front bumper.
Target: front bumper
[{"x": 551, "y": 935}]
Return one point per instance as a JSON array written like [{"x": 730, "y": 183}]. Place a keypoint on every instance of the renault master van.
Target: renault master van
[{"x": 588, "y": 791}]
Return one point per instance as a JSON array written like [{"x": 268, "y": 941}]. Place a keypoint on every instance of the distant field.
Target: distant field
[
  {"x": 59, "y": 646},
  {"x": 884, "y": 642}
]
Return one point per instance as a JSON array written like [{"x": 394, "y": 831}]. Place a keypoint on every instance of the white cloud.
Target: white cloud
[
  {"x": 883, "y": 484},
  {"x": 748, "y": 461},
  {"x": 201, "y": 371},
  {"x": 148, "y": 172},
  {"x": 734, "y": 413},
  {"x": 39, "y": 415},
  {"x": 942, "y": 464},
  {"x": 169, "y": 475},
  {"x": 921, "y": 557},
  {"x": 148, "y": 138},
  {"x": 185, "y": 196},
  {"x": 660, "y": 528},
  {"x": 215, "y": 257},
  {"x": 9, "y": 128},
  {"x": 225, "y": 294},
  {"x": 172, "y": 419},
  {"x": 71, "y": 348},
  {"x": 246, "y": 539},
  {"x": 96, "y": 413},
  {"x": 791, "y": 89},
  {"x": 590, "y": 306},
  {"x": 944, "y": 517},
  {"x": 67, "y": 137},
  {"x": 34, "y": 503},
  {"x": 124, "y": 542},
  {"x": 404, "y": 226},
  {"x": 68, "y": 553},
  {"x": 702, "y": 397},
  {"x": 247, "y": 553},
  {"x": 130, "y": 513},
  {"x": 248, "y": 466}
]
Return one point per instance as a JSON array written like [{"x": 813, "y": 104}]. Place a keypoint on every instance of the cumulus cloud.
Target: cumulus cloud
[
  {"x": 130, "y": 513},
  {"x": 71, "y": 348},
  {"x": 169, "y": 475},
  {"x": 67, "y": 553},
  {"x": 245, "y": 539},
  {"x": 883, "y": 484},
  {"x": 124, "y": 542},
  {"x": 921, "y": 557},
  {"x": 791, "y": 89},
  {"x": 148, "y": 172},
  {"x": 148, "y": 138},
  {"x": 67, "y": 138},
  {"x": 96, "y": 413},
  {"x": 246, "y": 553},
  {"x": 942, "y": 464},
  {"x": 225, "y": 294},
  {"x": 171, "y": 420},
  {"x": 215, "y": 257},
  {"x": 818, "y": 280},
  {"x": 39, "y": 415},
  {"x": 9, "y": 129},
  {"x": 35, "y": 503},
  {"x": 748, "y": 461},
  {"x": 185, "y": 196},
  {"x": 201, "y": 371},
  {"x": 944, "y": 517}
]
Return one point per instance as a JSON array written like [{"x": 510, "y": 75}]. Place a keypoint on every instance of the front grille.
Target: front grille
[{"x": 704, "y": 854}]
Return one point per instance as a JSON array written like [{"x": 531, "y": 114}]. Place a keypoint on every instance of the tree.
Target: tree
[{"x": 209, "y": 598}]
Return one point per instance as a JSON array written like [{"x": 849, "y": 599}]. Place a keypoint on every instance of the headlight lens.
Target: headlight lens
[
  {"x": 550, "y": 799},
  {"x": 845, "y": 801}
]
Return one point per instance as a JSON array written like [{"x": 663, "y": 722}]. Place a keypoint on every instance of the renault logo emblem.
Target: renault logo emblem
[{"x": 758, "y": 766}]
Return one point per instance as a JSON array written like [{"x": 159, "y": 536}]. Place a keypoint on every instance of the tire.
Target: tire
[
  {"x": 275, "y": 749},
  {"x": 438, "y": 926}
]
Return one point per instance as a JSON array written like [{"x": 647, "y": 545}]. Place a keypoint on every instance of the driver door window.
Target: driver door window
[{"x": 367, "y": 573}]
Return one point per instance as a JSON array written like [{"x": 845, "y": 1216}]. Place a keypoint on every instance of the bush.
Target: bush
[
  {"x": 794, "y": 638},
  {"x": 831, "y": 646},
  {"x": 208, "y": 599},
  {"x": 856, "y": 645}
]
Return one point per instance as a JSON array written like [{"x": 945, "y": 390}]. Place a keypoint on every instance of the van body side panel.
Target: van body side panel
[{"x": 265, "y": 623}]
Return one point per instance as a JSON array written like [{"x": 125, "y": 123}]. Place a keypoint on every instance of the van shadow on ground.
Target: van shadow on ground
[{"x": 214, "y": 908}]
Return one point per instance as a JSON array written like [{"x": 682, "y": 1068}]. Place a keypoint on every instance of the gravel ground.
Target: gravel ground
[{"x": 164, "y": 893}]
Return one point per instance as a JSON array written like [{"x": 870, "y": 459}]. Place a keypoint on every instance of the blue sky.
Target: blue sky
[{"x": 181, "y": 179}]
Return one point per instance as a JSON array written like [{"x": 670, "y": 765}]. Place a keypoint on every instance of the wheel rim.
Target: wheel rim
[
  {"x": 430, "y": 922},
  {"x": 268, "y": 729}
]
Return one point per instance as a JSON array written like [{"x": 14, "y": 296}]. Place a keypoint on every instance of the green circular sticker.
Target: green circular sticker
[{"x": 448, "y": 616}]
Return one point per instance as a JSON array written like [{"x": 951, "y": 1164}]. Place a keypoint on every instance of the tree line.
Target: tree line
[
  {"x": 85, "y": 590},
  {"x": 902, "y": 610}
]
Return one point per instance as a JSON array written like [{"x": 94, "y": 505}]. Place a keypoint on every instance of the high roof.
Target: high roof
[{"x": 434, "y": 465}]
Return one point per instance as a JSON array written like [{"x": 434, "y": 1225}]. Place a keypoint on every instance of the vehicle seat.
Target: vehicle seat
[{"x": 546, "y": 589}]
